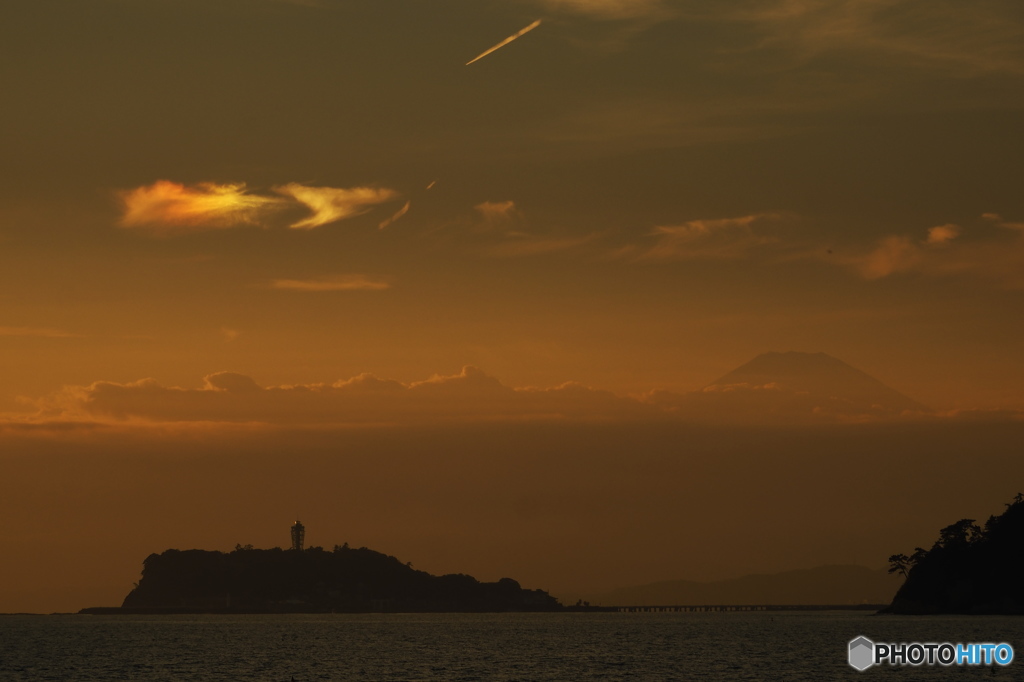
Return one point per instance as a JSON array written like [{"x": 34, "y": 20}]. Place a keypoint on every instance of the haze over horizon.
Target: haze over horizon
[{"x": 268, "y": 256}]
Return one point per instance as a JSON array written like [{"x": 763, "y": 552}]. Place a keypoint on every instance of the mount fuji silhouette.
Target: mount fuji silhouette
[{"x": 793, "y": 387}]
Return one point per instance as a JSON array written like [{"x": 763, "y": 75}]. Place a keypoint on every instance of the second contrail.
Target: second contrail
[{"x": 505, "y": 42}]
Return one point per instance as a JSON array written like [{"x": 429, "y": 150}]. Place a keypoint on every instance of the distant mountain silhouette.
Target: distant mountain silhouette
[
  {"x": 820, "y": 375},
  {"x": 822, "y": 585},
  {"x": 793, "y": 386}
]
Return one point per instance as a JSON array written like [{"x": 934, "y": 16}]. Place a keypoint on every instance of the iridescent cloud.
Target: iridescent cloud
[
  {"x": 173, "y": 207},
  {"x": 331, "y": 204}
]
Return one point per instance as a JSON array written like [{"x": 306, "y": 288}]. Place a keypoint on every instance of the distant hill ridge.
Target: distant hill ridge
[{"x": 836, "y": 585}]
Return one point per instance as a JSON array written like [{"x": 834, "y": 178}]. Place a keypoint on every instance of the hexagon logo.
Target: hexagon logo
[{"x": 862, "y": 653}]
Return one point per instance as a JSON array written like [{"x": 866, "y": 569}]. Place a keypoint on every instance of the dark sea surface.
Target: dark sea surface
[{"x": 571, "y": 646}]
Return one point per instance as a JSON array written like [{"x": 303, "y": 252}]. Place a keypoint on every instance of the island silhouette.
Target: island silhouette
[
  {"x": 970, "y": 569},
  {"x": 311, "y": 580}
]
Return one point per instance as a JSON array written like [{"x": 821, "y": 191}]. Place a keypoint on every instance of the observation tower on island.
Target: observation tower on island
[{"x": 298, "y": 535}]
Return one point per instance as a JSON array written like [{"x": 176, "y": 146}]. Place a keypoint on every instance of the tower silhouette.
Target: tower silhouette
[{"x": 298, "y": 535}]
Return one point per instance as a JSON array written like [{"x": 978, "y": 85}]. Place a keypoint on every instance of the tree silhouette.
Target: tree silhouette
[
  {"x": 959, "y": 534},
  {"x": 900, "y": 563}
]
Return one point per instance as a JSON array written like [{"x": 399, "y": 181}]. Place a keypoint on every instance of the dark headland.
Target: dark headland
[
  {"x": 311, "y": 580},
  {"x": 970, "y": 569}
]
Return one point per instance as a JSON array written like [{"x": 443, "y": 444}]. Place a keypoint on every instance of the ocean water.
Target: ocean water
[{"x": 503, "y": 647}]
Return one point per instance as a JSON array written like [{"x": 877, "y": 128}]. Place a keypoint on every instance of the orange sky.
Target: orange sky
[{"x": 240, "y": 236}]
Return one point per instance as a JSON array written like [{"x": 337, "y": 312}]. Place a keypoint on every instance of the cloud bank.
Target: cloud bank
[{"x": 471, "y": 396}]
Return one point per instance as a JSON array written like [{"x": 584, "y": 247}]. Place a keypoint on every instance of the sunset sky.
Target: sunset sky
[{"x": 261, "y": 258}]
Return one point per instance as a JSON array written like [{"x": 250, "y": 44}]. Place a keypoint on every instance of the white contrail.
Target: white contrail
[{"x": 506, "y": 41}]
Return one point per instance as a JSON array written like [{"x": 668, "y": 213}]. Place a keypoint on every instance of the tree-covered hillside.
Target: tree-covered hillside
[{"x": 969, "y": 569}]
